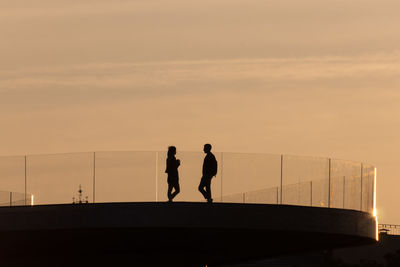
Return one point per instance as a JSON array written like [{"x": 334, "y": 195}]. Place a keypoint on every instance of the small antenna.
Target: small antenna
[{"x": 80, "y": 199}]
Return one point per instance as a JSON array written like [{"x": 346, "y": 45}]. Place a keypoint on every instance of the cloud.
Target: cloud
[
  {"x": 275, "y": 68},
  {"x": 48, "y": 33},
  {"x": 196, "y": 77},
  {"x": 265, "y": 98}
]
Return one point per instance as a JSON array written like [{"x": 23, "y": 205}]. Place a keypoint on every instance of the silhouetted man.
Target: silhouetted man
[
  {"x": 210, "y": 167},
  {"x": 172, "y": 171}
]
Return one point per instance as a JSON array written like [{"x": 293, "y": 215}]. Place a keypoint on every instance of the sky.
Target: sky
[{"x": 317, "y": 78}]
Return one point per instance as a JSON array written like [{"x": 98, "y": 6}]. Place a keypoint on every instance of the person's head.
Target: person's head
[
  {"x": 207, "y": 148},
  {"x": 171, "y": 151}
]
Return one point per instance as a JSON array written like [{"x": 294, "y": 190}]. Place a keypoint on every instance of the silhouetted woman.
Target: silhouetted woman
[{"x": 172, "y": 171}]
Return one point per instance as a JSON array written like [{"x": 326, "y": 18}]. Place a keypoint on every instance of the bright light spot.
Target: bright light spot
[
  {"x": 375, "y": 212},
  {"x": 32, "y": 198}
]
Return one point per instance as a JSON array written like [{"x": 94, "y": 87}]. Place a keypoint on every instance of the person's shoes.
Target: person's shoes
[
  {"x": 210, "y": 200},
  {"x": 170, "y": 200}
]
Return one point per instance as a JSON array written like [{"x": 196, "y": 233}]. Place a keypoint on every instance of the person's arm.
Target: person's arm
[{"x": 213, "y": 165}]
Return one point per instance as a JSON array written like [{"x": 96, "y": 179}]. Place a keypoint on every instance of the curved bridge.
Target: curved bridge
[{"x": 173, "y": 234}]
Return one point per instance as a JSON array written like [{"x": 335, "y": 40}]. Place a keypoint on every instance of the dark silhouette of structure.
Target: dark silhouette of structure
[
  {"x": 210, "y": 167},
  {"x": 180, "y": 235},
  {"x": 80, "y": 199},
  {"x": 173, "y": 175},
  {"x": 384, "y": 253}
]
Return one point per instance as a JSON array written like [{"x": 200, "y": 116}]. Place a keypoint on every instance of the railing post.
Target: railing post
[
  {"x": 361, "y": 189},
  {"x": 94, "y": 177},
  {"x": 156, "y": 175},
  {"x": 310, "y": 193},
  {"x": 281, "y": 179},
  {"x": 329, "y": 182},
  {"x": 10, "y": 199},
  {"x": 25, "y": 182},
  {"x": 374, "y": 194},
  {"x": 344, "y": 189},
  {"x": 222, "y": 175}
]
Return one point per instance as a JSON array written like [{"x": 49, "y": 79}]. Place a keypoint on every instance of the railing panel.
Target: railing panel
[
  {"x": 125, "y": 176},
  {"x": 54, "y": 179},
  {"x": 18, "y": 199},
  {"x": 249, "y": 172},
  {"x": 337, "y": 186},
  {"x": 320, "y": 193},
  {"x": 298, "y": 169},
  {"x": 264, "y": 196},
  {"x": 297, "y": 194},
  {"x": 368, "y": 188},
  {"x": 234, "y": 198},
  {"x": 347, "y": 173},
  {"x": 140, "y": 176},
  {"x": 12, "y": 174},
  {"x": 352, "y": 199},
  {"x": 5, "y": 198}
]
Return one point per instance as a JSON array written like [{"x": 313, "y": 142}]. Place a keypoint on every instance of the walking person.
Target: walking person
[
  {"x": 172, "y": 171},
  {"x": 210, "y": 167}
]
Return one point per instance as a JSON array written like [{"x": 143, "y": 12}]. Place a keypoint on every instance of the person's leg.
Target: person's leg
[
  {"x": 208, "y": 189},
  {"x": 177, "y": 190},
  {"x": 169, "y": 192},
  {"x": 201, "y": 187}
]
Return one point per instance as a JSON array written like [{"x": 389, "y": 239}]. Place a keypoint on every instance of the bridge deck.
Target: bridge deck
[{"x": 173, "y": 234}]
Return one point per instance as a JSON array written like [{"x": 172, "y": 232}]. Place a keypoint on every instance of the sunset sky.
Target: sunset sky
[{"x": 308, "y": 77}]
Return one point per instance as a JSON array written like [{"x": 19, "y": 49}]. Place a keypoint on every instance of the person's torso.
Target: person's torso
[
  {"x": 172, "y": 166},
  {"x": 208, "y": 165}
]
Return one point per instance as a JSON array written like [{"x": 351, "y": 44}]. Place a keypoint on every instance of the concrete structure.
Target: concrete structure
[
  {"x": 374, "y": 253},
  {"x": 172, "y": 234}
]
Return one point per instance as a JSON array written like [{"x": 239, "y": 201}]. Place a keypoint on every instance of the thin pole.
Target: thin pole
[
  {"x": 10, "y": 199},
  {"x": 374, "y": 194},
  {"x": 344, "y": 189},
  {"x": 156, "y": 176},
  {"x": 277, "y": 195},
  {"x": 25, "y": 180},
  {"x": 94, "y": 177},
  {"x": 361, "y": 189},
  {"x": 281, "y": 177},
  {"x": 329, "y": 183},
  {"x": 311, "y": 193},
  {"x": 222, "y": 173}
]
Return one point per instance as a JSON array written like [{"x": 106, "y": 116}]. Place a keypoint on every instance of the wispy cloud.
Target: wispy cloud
[{"x": 195, "y": 77}]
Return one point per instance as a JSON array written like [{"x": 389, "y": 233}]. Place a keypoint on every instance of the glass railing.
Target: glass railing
[
  {"x": 140, "y": 177},
  {"x": 8, "y": 199},
  {"x": 389, "y": 229}
]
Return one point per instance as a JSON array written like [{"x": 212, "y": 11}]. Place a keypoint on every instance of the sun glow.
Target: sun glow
[
  {"x": 375, "y": 212},
  {"x": 32, "y": 199}
]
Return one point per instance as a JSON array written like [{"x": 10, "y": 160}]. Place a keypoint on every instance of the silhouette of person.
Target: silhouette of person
[
  {"x": 172, "y": 171},
  {"x": 210, "y": 167}
]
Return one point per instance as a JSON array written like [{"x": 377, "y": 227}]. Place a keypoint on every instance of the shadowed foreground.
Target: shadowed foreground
[{"x": 172, "y": 234}]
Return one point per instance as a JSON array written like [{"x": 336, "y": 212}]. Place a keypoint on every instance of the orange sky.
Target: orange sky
[{"x": 299, "y": 77}]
